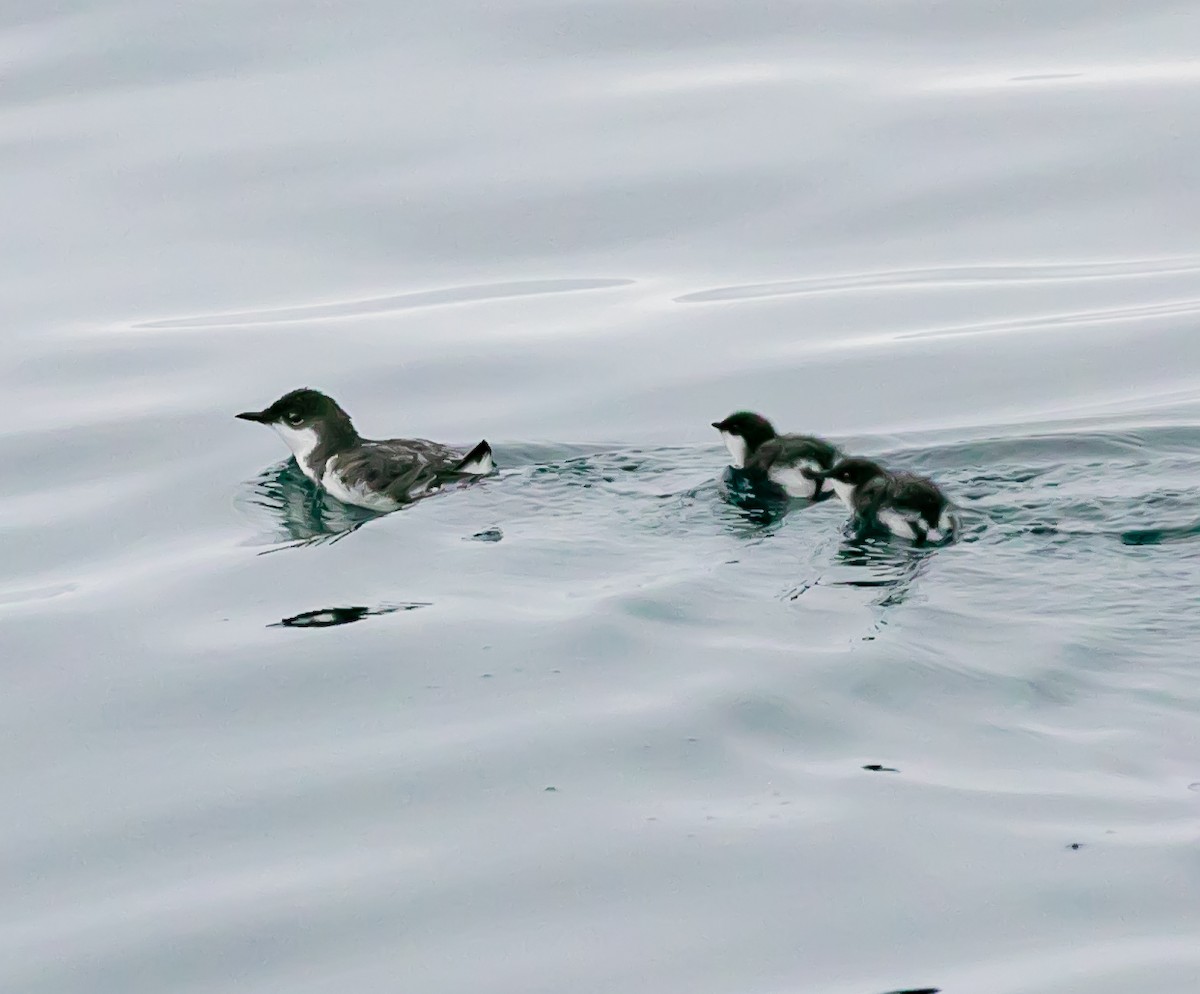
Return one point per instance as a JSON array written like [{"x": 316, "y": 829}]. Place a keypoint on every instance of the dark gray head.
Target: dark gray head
[
  {"x": 306, "y": 419},
  {"x": 848, "y": 475},
  {"x": 855, "y": 471},
  {"x": 743, "y": 432}
]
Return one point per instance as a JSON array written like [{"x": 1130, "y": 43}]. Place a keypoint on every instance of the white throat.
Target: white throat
[
  {"x": 845, "y": 491},
  {"x": 303, "y": 443},
  {"x": 737, "y": 449}
]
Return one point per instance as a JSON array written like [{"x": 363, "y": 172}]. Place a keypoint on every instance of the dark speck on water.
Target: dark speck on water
[
  {"x": 918, "y": 990},
  {"x": 1157, "y": 536},
  {"x": 330, "y": 616},
  {"x": 957, "y": 237},
  {"x": 326, "y": 617}
]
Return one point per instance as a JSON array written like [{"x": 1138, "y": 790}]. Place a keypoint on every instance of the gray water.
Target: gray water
[{"x": 599, "y": 724}]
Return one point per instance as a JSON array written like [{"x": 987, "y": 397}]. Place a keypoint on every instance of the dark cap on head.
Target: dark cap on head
[
  {"x": 754, "y": 428},
  {"x": 855, "y": 471},
  {"x": 302, "y": 408}
]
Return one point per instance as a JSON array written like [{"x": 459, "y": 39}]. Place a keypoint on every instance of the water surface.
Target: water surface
[{"x": 599, "y": 723}]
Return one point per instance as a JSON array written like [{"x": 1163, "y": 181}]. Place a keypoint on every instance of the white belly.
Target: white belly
[
  {"x": 897, "y": 523},
  {"x": 358, "y": 496},
  {"x": 845, "y": 491},
  {"x": 793, "y": 480}
]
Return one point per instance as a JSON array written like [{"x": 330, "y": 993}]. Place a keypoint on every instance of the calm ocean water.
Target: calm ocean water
[{"x": 598, "y": 725}]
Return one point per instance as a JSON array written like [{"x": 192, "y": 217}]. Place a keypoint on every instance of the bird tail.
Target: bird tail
[
  {"x": 947, "y": 527},
  {"x": 477, "y": 462}
]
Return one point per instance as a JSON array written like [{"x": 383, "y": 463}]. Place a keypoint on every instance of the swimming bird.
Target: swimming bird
[
  {"x": 904, "y": 504},
  {"x": 788, "y": 461},
  {"x": 378, "y": 475}
]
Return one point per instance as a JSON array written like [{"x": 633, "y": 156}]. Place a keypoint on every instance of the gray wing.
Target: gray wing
[
  {"x": 401, "y": 468},
  {"x": 791, "y": 449},
  {"x": 869, "y": 497},
  {"x": 917, "y": 494}
]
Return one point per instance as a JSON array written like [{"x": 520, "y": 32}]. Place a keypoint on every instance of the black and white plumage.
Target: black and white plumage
[
  {"x": 904, "y": 504},
  {"x": 378, "y": 475},
  {"x": 791, "y": 462}
]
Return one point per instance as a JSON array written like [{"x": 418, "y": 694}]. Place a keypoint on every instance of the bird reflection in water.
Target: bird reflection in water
[
  {"x": 305, "y": 514},
  {"x": 758, "y": 502},
  {"x": 888, "y": 567}
]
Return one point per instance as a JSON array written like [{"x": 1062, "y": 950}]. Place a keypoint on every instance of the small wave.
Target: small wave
[
  {"x": 382, "y": 305},
  {"x": 1118, "y": 74},
  {"x": 935, "y": 277}
]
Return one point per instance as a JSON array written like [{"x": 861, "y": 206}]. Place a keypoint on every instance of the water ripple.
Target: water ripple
[
  {"x": 935, "y": 277},
  {"x": 381, "y": 305}
]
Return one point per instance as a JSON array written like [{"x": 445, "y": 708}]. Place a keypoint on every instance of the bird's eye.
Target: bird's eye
[{"x": 294, "y": 419}]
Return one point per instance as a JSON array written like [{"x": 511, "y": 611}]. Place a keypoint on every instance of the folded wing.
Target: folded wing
[{"x": 402, "y": 470}]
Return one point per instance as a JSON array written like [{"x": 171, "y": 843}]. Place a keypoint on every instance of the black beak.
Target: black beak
[
  {"x": 259, "y": 416},
  {"x": 717, "y": 425}
]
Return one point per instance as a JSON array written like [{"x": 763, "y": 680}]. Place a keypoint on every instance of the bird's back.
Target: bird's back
[
  {"x": 401, "y": 468},
  {"x": 790, "y": 449},
  {"x": 917, "y": 493}
]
